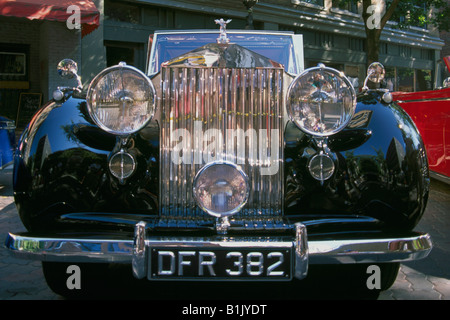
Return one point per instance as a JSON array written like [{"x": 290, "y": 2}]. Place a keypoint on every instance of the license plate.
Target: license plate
[{"x": 193, "y": 263}]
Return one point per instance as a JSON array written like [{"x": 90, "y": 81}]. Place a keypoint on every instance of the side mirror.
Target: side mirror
[
  {"x": 67, "y": 68},
  {"x": 375, "y": 73},
  {"x": 446, "y": 83}
]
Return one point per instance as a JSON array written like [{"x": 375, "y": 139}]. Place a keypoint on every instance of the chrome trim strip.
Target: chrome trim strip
[
  {"x": 70, "y": 249},
  {"x": 370, "y": 250},
  {"x": 439, "y": 176},
  {"x": 424, "y": 99},
  {"x": 414, "y": 247}
]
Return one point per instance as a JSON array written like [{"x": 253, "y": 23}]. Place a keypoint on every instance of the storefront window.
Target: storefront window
[
  {"x": 130, "y": 52},
  {"x": 405, "y": 78},
  {"x": 352, "y": 73},
  {"x": 351, "y": 6},
  {"x": 114, "y": 55},
  {"x": 389, "y": 79},
  {"x": 424, "y": 80}
]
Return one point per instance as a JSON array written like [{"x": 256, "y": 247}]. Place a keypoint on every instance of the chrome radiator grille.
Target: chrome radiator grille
[{"x": 203, "y": 112}]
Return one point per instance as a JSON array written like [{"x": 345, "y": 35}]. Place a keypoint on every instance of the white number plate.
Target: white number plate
[{"x": 168, "y": 263}]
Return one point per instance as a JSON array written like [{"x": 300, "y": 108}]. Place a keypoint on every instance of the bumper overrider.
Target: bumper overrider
[{"x": 219, "y": 257}]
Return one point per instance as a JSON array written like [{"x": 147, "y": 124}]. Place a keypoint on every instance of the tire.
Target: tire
[
  {"x": 76, "y": 280},
  {"x": 389, "y": 272}
]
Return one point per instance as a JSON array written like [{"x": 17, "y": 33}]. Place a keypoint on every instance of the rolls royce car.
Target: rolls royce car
[{"x": 224, "y": 161}]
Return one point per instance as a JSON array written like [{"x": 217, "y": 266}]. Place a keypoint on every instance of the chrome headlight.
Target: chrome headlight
[
  {"x": 121, "y": 100},
  {"x": 321, "y": 101},
  {"x": 221, "y": 189}
]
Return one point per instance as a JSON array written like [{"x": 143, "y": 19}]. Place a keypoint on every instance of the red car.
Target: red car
[{"x": 430, "y": 111}]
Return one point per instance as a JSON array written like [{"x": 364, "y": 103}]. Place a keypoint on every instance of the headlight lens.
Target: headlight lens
[
  {"x": 321, "y": 101},
  {"x": 221, "y": 189},
  {"x": 121, "y": 99}
]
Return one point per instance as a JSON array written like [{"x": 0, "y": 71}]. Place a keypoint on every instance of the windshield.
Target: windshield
[{"x": 283, "y": 48}]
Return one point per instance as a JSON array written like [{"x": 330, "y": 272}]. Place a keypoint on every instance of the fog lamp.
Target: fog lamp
[
  {"x": 122, "y": 165},
  {"x": 321, "y": 167},
  {"x": 221, "y": 189}
]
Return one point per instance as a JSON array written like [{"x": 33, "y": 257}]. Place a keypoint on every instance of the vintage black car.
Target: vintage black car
[{"x": 225, "y": 160}]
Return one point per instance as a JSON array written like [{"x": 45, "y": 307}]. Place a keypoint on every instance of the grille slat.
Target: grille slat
[{"x": 221, "y": 114}]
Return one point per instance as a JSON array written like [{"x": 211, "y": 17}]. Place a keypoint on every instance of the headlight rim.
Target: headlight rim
[
  {"x": 230, "y": 212},
  {"x": 98, "y": 77},
  {"x": 339, "y": 74},
  {"x": 122, "y": 152}
]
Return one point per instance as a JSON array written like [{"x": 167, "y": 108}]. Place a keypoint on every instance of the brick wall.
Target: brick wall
[
  {"x": 49, "y": 42},
  {"x": 56, "y": 43},
  {"x": 23, "y": 31}
]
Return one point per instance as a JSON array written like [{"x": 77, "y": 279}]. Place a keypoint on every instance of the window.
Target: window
[
  {"x": 424, "y": 80},
  {"x": 129, "y": 52},
  {"x": 408, "y": 80},
  {"x": 389, "y": 79},
  {"x": 122, "y": 12},
  {"x": 405, "y": 79},
  {"x": 324, "y": 40},
  {"x": 316, "y": 2},
  {"x": 351, "y": 6},
  {"x": 356, "y": 44},
  {"x": 352, "y": 73},
  {"x": 114, "y": 55},
  {"x": 405, "y": 52},
  {"x": 427, "y": 54}
]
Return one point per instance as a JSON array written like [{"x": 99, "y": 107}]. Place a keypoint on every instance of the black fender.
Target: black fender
[
  {"x": 381, "y": 181},
  {"x": 381, "y": 176},
  {"x": 61, "y": 167}
]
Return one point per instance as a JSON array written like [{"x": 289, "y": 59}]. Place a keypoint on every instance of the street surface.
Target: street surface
[{"x": 427, "y": 279}]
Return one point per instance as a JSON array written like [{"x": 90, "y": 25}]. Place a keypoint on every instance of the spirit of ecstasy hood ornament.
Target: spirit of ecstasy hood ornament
[{"x": 223, "y": 31}]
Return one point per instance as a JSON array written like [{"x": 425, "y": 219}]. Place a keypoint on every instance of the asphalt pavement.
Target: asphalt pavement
[{"x": 427, "y": 279}]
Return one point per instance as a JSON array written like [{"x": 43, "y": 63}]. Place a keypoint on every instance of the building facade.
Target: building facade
[
  {"x": 34, "y": 37},
  {"x": 331, "y": 34},
  {"x": 42, "y": 44}
]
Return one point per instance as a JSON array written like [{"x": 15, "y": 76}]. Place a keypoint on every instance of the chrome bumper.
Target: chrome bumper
[{"x": 133, "y": 251}]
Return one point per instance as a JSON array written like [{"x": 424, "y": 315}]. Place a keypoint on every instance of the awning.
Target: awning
[{"x": 53, "y": 10}]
